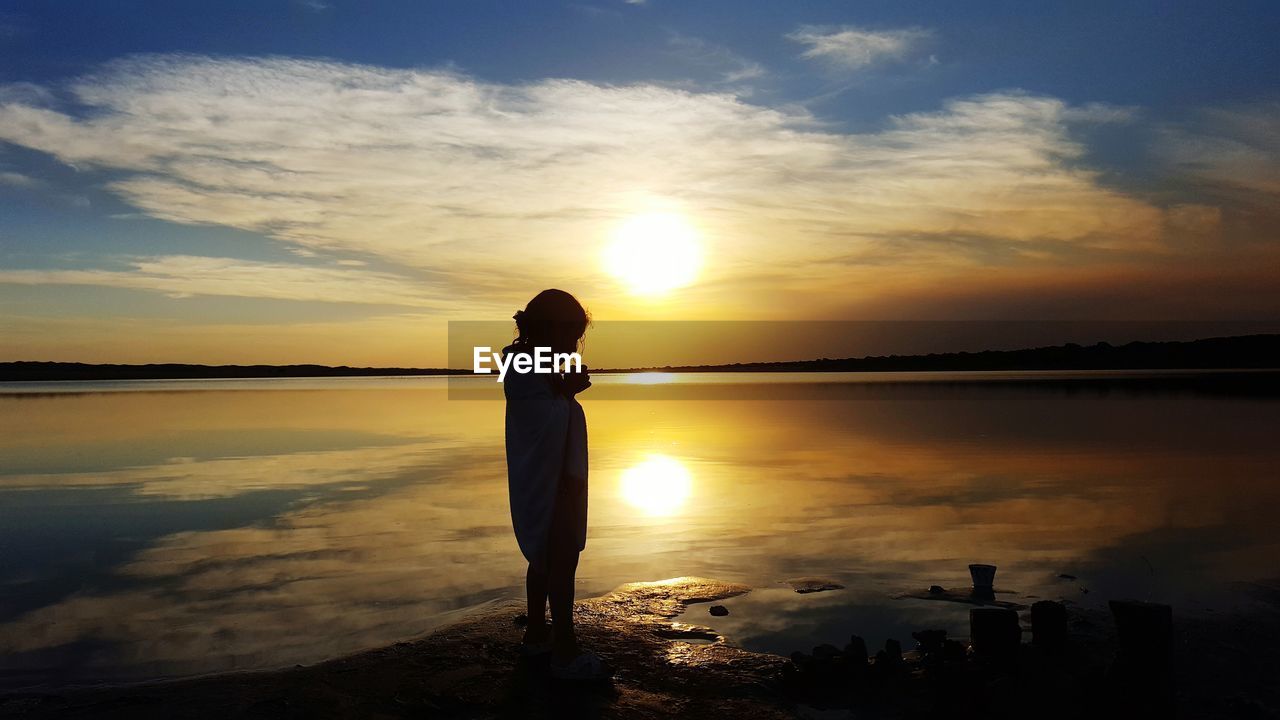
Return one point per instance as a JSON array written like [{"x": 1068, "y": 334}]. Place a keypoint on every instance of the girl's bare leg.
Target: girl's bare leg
[
  {"x": 561, "y": 572},
  {"x": 535, "y": 585}
]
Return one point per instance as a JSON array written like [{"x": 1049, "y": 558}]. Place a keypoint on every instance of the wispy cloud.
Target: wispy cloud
[
  {"x": 186, "y": 275},
  {"x": 412, "y": 338},
  {"x": 852, "y": 48},
  {"x": 13, "y": 179},
  {"x": 439, "y": 173},
  {"x": 1232, "y": 147},
  {"x": 732, "y": 67}
]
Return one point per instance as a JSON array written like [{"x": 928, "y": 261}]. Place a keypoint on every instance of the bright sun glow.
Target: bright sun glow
[
  {"x": 658, "y": 486},
  {"x": 654, "y": 253}
]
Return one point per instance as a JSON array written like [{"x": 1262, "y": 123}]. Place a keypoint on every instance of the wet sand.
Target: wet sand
[
  {"x": 669, "y": 669},
  {"x": 473, "y": 669}
]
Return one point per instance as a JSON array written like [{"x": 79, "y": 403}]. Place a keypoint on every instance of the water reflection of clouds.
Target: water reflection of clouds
[
  {"x": 914, "y": 490},
  {"x": 329, "y": 578},
  {"x": 376, "y": 543},
  {"x": 190, "y": 479},
  {"x": 779, "y": 620}
]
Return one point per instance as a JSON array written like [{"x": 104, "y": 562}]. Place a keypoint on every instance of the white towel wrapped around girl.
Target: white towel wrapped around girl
[{"x": 546, "y": 448}]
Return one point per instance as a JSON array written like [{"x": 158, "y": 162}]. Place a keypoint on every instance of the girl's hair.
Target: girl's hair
[{"x": 553, "y": 318}]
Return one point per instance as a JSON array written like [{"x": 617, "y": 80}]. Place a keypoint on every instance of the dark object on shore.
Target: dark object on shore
[
  {"x": 1065, "y": 576},
  {"x": 719, "y": 610},
  {"x": 937, "y": 590},
  {"x": 891, "y": 655},
  {"x": 826, "y": 651},
  {"x": 801, "y": 660},
  {"x": 930, "y": 646},
  {"x": 1048, "y": 625},
  {"x": 937, "y": 655},
  {"x": 808, "y": 585},
  {"x": 1143, "y": 668},
  {"x": 856, "y": 650},
  {"x": 830, "y": 673},
  {"x": 995, "y": 634},
  {"x": 930, "y": 641},
  {"x": 1221, "y": 670},
  {"x": 1145, "y": 633},
  {"x": 521, "y": 620}
]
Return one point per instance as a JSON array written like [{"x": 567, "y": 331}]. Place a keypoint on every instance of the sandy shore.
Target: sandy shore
[
  {"x": 472, "y": 669},
  {"x": 667, "y": 669}
]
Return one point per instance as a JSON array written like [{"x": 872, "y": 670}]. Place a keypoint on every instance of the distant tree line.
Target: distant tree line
[{"x": 1243, "y": 352}]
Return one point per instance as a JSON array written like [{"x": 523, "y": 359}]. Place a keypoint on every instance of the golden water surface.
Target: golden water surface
[{"x": 160, "y": 529}]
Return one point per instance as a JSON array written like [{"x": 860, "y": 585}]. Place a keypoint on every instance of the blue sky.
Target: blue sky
[
  {"x": 837, "y": 160},
  {"x": 1162, "y": 56}
]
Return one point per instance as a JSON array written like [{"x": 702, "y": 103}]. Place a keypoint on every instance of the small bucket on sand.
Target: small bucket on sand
[{"x": 984, "y": 578}]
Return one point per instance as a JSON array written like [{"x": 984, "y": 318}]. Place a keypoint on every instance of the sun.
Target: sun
[
  {"x": 659, "y": 485},
  {"x": 654, "y": 253}
]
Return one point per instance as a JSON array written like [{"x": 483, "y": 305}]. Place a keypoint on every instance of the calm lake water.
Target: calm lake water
[{"x": 154, "y": 529}]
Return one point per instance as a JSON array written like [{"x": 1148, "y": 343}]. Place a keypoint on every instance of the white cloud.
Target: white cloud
[
  {"x": 477, "y": 183},
  {"x": 407, "y": 338},
  {"x": 25, "y": 92},
  {"x": 1234, "y": 148},
  {"x": 186, "y": 275},
  {"x": 13, "y": 179},
  {"x": 852, "y": 48}
]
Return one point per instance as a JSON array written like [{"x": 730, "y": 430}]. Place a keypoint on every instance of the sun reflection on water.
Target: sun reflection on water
[{"x": 659, "y": 485}]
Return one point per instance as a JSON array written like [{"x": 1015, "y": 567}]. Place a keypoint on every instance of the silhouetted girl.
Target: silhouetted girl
[{"x": 546, "y": 436}]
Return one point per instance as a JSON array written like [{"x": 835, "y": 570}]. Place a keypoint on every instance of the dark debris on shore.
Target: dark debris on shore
[{"x": 1072, "y": 667}]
